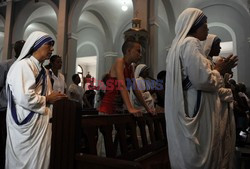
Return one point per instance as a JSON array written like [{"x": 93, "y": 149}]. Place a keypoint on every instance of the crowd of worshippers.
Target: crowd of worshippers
[
  {"x": 201, "y": 101},
  {"x": 241, "y": 108},
  {"x": 239, "y": 98},
  {"x": 76, "y": 90},
  {"x": 151, "y": 89}
]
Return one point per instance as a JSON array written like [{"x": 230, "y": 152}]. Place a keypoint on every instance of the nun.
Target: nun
[
  {"x": 144, "y": 86},
  {"x": 226, "y": 115},
  {"x": 191, "y": 96},
  {"x": 30, "y": 106}
]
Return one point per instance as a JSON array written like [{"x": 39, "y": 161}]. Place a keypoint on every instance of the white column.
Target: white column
[
  {"x": 8, "y": 31},
  {"x": 70, "y": 58},
  {"x": 62, "y": 30},
  {"x": 153, "y": 36}
]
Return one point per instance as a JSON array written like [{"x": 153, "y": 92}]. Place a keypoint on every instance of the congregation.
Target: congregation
[{"x": 207, "y": 112}]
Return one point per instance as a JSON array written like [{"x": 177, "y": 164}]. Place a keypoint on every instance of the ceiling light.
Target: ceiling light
[{"x": 124, "y": 8}]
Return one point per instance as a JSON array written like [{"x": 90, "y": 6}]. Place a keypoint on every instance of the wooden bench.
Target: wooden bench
[
  {"x": 75, "y": 137},
  {"x": 89, "y": 111}
]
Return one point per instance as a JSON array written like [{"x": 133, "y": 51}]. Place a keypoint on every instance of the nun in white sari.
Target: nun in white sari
[
  {"x": 226, "y": 117},
  {"x": 140, "y": 72},
  {"x": 29, "y": 106},
  {"x": 191, "y": 98}
]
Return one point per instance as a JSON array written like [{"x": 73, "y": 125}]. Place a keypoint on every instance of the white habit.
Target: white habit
[
  {"x": 226, "y": 117},
  {"x": 28, "y": 145},
  {"x": 191, "y": 115}
]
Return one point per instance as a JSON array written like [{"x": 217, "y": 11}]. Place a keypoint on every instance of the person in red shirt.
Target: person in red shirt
[{"x": 116, "y": 87}]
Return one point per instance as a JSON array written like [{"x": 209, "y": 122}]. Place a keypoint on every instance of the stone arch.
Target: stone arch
[
  {"x": 117, "y": 43},
  {"x": 229, "y": 29},
  {"x": 96, "y": 51},
  {"x": 23, "y": 14},
  {"x": 235, "y": 6},
  {"x": 99, "y": 48},
  {"x": 74, "y": 15},
  {"x": 238, "y": 17},
  {"x": 106, "y": 28},
  {"x": 170, "y": 14},
  {"x": 233, "y": 35},
  {"x": 91, "y": 44}
]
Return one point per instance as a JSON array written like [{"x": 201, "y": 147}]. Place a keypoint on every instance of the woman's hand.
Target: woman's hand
[
  {"x": 225, "y": 65},
  {"x": 135, "y": 112},
  {"x": 54, "y": 96}
]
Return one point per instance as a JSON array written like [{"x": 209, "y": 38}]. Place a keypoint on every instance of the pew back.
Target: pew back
[
  {"x": 134, "y": 135},
  {"x": 137, "y": 139},
  {"x": 139, "y": 142}
]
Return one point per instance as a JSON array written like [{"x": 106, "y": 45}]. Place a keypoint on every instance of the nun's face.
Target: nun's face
[
  {"x": 215, "y": 49},
  {"x": 45, "y": 51},
  {"x": 202, "y": 32},
  {"x": 145, "y": 73}
]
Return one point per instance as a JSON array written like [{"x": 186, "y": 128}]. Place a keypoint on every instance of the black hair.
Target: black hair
[
  {"x": 48, "y": 66},
  {"x": 145, "y": 68},
  {"x": 18, "y": 47},
  {"x": 129, "y": 43},
  {"x": 242, "y": 87},
  {"x": 74, "y": 76},
  {"x": 53, "y": 58},
  {"x": 162, "y": 75}
]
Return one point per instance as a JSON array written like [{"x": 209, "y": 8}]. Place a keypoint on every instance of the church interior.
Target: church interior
[{"x": 89, "y": 34}]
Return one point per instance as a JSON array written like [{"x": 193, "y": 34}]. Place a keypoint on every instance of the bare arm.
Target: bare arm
[
  {"x": 118, "y": 69},
  {"x": 138, "y": 94}
]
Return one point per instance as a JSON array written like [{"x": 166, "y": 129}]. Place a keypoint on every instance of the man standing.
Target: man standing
[
  {"x": 4, "y": 68},
  {"x": 29, "y": 106}
]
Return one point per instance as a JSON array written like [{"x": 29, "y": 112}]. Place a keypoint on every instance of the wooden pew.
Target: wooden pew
[
  {"x": 89, "y": 111},
  {"x": 65, "y": 137},
  {"x": 75, "y": 136},
  {"x": 149, "y": 155}
]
